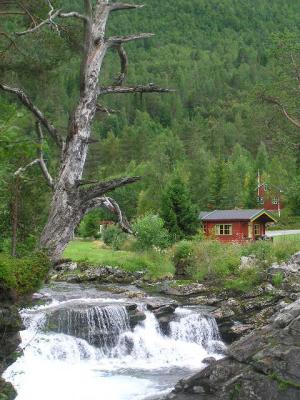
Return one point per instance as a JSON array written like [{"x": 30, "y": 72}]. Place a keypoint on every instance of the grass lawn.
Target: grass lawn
[
  {"x": 293, "y": 237},
  {"x": 158, "y": 265}
]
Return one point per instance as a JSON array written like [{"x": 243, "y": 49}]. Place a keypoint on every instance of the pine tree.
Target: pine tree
[{"x": 178, "y": 211}]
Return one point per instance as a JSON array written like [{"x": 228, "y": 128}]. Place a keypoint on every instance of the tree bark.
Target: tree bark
[{"x": 70, "y": 201}]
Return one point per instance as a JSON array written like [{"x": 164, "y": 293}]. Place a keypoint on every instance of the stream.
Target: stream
[{"x": 80, "y": 344}]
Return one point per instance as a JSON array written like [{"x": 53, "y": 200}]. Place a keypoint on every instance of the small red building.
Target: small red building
[
  {"x": 269, "y": 197},
  {"x": 236, "y": 225}
]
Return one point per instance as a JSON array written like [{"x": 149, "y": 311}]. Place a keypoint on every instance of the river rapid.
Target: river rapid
[{"x": 81, "y": 345}]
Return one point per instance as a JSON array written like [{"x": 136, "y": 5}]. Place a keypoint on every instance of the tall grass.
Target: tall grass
[{"x": 157, "y": 265}]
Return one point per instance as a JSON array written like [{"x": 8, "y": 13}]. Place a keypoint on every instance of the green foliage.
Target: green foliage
[
  {"x": 183, "y": 257},
  {"x": 277, "y": 279},
  {"x": 150, "y": 232},
  {"x": 213, "y": 129},
  {"x": 245, "y": 280},
  {"x": 157, "y": 264},
  {"x": 178, "y": 211},
  {"x": 214, "y": 260},
  {"x": 23, "y": 275},
  {"x": 113, "y": 236}
]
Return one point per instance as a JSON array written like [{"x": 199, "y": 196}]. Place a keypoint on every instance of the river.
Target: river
[{"x": 80, "y": 345}]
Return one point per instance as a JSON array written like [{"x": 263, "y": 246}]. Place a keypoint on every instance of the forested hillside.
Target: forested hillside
[{"x": 222, "y": 57}]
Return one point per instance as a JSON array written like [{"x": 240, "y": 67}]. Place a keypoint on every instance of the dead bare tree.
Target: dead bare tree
[{"x": 72, "y": 197}]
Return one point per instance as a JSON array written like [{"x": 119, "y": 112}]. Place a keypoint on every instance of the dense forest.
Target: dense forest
[{"x": 223, "y": 58}]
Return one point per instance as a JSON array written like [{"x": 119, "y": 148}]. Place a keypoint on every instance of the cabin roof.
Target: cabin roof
[{"x": 234, "y": 215}]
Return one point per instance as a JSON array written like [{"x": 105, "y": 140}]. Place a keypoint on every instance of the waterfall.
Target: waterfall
[{"x": 74, "y": 350}]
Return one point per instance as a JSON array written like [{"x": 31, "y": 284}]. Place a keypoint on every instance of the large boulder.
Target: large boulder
[{"x": 262, "y": 365}]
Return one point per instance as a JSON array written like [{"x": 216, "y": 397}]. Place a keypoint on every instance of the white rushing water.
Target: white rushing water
[{"x": 60, "y": 363}]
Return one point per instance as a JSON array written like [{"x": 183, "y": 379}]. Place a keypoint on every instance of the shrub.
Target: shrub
[
  {"x": 24, "y": 275},
  {"x": 114, "y": 237},
  {"x": 150, "y": 232},
  {"x": 183, "y": 257},
  {"x": 214, "y": 260}
]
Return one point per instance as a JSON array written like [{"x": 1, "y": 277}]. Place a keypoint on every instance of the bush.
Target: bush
[
  {"x": 214, "y": 260},
  {"x": 24, "y": 275},
  {"x": 183, "y": 257},
  {"x": 114, "y": 237},
  {"x": 150, "y": 232}
]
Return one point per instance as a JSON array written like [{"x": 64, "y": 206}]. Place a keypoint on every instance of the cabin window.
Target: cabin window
[
  {"x": 260, "y": 200},
  {"x": 256, "y": 229},
  {"x": 223, "y": 229},
  {"x": 266, "y": 187},
  {"x": 275, "y": 200}
]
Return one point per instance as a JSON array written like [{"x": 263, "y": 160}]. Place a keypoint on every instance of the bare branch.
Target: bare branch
[
  {"x": 105, "y": 110},
  {"x": 37, "y": 27},
  {"x": 124, "y": 6},
  {"x": 151, "y": 88},
  {"x": 124, "y": 65},
  {"x": 37, "y": 113},
  {"x": 273, "y": 100},
  {"x": 43, "y": 165},
  {"x": 112, "y": 206},
  {"x": 118, "y": 40},
  {"x": 50, "y": 20},
  {"x": 101, "y": 188},
  {"x": 23, "y": 169},
  {"x": 73, "y": 14}
]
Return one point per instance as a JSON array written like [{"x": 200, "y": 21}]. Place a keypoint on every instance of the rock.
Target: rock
[
  {"x": 185, "y": 290},
  {"x": 248, "y": 262},
  {"x": 103, "y": 274},
  {"x": 263, "y": 365},
  {"x": 10, "y": 325},
  {"x": 209, "y": 360},
  {"x": 205, "y": 300}
]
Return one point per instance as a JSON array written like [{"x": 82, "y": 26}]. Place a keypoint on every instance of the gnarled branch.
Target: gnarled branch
[
  {"x": 124, "y": 65},
  {"x": 151, "y": 88},
  {"x": 112, "y": 206},
  {"x": 124, "y": 6},
  {"x": 273, "y": 100},
  {"x": 117, "y": 40},
  {"x": 36, "y": 112},
  {"x": 99, "y": 189}
]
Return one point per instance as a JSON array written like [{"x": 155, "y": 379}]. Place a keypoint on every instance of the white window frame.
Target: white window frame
[
  {"x": 275, "y": 200},
  {"x": 223, "y": 229}
]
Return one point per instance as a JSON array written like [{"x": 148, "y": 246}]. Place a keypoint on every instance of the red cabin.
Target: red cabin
[
  {"x": 236, "y": 225},
  {"x": 269, "y": 197}
]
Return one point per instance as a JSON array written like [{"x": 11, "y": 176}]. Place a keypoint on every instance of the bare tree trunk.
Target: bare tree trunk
[{"x": 71, "y": 200}]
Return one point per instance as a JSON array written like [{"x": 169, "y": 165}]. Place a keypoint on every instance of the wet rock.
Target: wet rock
[
  {"x": 263, "y": 365},
  {"x": 10, "y": 325}
]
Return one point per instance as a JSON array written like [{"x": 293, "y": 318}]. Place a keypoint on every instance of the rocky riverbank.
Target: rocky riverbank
[
  {"x": 10, "y": 325},
  {"x": 237, "y": 313},
  {"x": 262, "y": 365}
]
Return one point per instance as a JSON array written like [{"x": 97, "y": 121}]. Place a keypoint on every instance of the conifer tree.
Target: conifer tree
[{"x": 178, "y": 211}]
